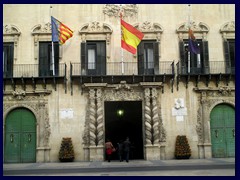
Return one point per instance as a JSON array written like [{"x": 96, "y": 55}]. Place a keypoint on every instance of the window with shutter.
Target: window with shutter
[
  {"x": 148, "y": 58},
  {"x": 93, "y": 58},
  {"x": 194, "y": 63},
  {"x": 229, "y": 52},
  {"x": 48, "y": 67},
  {"x": 8, "y": 60}
]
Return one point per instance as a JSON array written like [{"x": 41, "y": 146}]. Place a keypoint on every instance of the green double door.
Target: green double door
[
  {"x": 20, "y": 137},
  {"x": 223, "y": 131}
]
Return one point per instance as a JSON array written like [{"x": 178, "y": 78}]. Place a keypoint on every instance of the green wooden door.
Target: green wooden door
[
  {"x": 222, "y": 122},
  {"x": 20, "y": 137}
]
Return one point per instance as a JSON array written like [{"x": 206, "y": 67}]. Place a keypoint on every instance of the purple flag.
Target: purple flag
[{"x": 192, "y": 43}]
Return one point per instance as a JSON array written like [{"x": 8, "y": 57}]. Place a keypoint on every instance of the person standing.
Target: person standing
[
  {"x": 109, "y": 149},
  {"x": 120, "y": 150},
  {"x": 126, "y": 149}
]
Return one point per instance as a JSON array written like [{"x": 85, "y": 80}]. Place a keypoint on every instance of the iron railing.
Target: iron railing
[
  {"x": 35, "y": 70},
  {"x": 215, "y": 67},
  {"x": 125, "y": 68}
]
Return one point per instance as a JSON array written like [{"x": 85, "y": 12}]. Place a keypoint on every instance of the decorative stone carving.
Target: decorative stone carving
[
  {"x": 149, "y": 27},
  {"x": 155, "y": 117},
  {"x": 151, "y": 30},
  {"x": 199, "y": 126},
  {"x": 128, "y": 10},
  {"x": 92, "y": 118},
  {"x": 19, "y": 94},
  {"x": 100, "y": 133},
  {"x": 147, "y": 116},
  {"x": 209, "y": 98},
  {"x": 42, "y": 29},
  {"x": 36, "y": 102},
  {"x": 201, "y": 29},
  {"x": 228, "y": 27},
  {"x": 121, "y": 92},
  {"x": 10, "y": 29}
]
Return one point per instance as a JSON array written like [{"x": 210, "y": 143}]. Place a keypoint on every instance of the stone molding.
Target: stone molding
[
  {"x": 228, "y": 30},
  {"x": 200, "y": 30},
  {"x": 151, "y": 30}
]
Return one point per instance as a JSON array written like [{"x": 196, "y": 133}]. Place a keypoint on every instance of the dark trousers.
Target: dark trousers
[
  {"x": 126, "y": 155},
  {"x": 109, "y": 157}
]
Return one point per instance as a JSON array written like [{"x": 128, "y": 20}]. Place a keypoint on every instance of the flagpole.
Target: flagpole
[
  {"x": 189, "y": 26},
  {"x": 52, "y": 63},
  {"x": 121, "y": 40}
]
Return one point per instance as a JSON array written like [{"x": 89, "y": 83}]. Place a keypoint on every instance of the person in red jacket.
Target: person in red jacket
[{"x": 109, "y": 149}]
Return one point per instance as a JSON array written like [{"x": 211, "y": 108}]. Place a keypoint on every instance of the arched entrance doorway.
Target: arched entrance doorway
[
  {"x": 124, "y": 119},
  {"x": 222, "y": 122},
  {"x": 20, "y": 137}
]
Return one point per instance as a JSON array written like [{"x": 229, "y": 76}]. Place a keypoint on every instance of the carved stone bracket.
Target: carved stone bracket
[
  {"x": 200, "y": 30},
  {"x": 228, "y": 30},
  {"x": 11, "y": 33}
]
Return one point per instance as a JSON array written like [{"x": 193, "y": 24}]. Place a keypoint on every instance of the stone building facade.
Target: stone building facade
[{"x": 176, "y": 93}]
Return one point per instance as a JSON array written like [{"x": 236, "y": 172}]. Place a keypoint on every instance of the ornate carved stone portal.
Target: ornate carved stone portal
[
  {"x": 154, "y": 132},
  {"x": 37, "y": 103},
  {"x": 209, "y": 98}
]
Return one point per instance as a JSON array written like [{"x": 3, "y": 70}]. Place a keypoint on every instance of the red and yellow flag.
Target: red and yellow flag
[
  {"x": 60, "y": 32},
  {"x": 131, "y": 37}
]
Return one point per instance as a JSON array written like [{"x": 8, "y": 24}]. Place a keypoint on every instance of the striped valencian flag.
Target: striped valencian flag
[
  {"x": 60, "y": 32},
  {"x": 131, "y": 37}
]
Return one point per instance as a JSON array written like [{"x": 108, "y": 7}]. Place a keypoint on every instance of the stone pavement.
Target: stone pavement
[{"x": 116, "y": 166}]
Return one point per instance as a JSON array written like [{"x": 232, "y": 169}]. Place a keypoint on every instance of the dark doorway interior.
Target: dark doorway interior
[{"x": 124, "y": 119}]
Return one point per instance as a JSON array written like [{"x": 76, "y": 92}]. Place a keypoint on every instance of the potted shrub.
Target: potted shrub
[
  {"x": 182, "y": 148},
  {"x": 66, "y": 153}
]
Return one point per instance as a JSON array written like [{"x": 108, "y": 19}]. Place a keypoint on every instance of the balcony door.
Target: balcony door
[
  {"x": 93, "y": 58},
  {"x": 48, "y": 67},
  {"x": 8, "y": 60}
]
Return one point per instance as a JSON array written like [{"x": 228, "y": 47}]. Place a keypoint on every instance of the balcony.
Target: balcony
[
  {"x": 23, "y": 74},
  {"x": 115, "y": 72},
  {"x": 217, "y": 71}
]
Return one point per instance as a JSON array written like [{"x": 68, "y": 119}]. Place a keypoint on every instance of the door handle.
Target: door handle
[
  {"x": 11, "y": 138},
  {"x": 233, "y": 131},
  {"x": 29, "y": 137},
  {"x": 216, "y": 133}
]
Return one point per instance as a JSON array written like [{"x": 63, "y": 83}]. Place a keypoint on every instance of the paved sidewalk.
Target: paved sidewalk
[{"x": 170, "y": 164}]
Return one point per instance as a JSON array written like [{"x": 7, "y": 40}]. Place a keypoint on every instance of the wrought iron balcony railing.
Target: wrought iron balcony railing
[
  {"x": 35, "y": 70},
  {"x": 215, "y": 67},
  {"x": 119, "y": 68}
]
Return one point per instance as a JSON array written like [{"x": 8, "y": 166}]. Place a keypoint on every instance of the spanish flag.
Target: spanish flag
[
  {"x": 60, "y": 32},
  {"x": 131, "y": 37}
]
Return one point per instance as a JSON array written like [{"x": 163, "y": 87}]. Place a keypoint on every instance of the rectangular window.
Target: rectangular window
[
  {"x": 229, "y": 50},
  {"x": 194, "y": 63},
  {"x": 47, "y": 65},
  {"x": 8, "y": 49},
  {"x": 148, "y": 58},
  {"x": 93, "y": 58}
]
